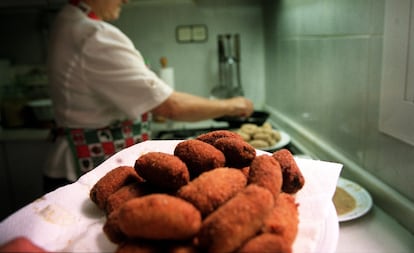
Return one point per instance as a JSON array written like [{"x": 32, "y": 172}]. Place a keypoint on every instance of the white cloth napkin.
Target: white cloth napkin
[{"x": 65, "y": 220}]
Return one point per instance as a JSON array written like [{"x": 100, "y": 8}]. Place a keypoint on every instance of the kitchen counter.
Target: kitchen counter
[
  {"x": 376, "y": 232},
  {"x": 24, "y": 134}
]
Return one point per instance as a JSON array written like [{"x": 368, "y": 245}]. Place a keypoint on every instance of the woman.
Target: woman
[{"x": 103, "y": 93}]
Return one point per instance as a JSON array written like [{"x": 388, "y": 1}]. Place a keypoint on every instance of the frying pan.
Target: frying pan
[{"x": 257, "y": 117}]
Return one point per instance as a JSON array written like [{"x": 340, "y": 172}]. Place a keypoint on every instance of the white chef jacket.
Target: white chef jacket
[{"x": 96, "y": 77}]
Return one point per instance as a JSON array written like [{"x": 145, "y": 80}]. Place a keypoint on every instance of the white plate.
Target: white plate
[
  {"x": 66, "y": 220},
  {"x": 362, "y": 197},
  {"x": 284, "y": 140}
]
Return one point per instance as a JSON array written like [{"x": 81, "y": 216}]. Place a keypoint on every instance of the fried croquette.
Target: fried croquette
[
  {"x": 111, "y": 182},
  {"x": 236, "y": 206},
  {"x": 159, "y": 217},
  {"x": 267, "y": 126},
  {"x": 212, "y": 188},
  {"x": 266, "y": 137},
  {"x": 238, "y": 153},
  {"x": 199, "y": 156},
  {"x": 259, "y": 144},
  {"x": 237, "y": 220},
  {"x": 265, "y": 243},
  {"x": 111, "y": 228},
  {"x": 212, "y": 136},
  {"x": 293, "y": 179},
  {"x": 277, "y": 135},
  {"x": 265, "y": 171},
  {"x": 248, "y": 128},
  {"x": 284, "y": 218},
  {"x": 245, "y": 171},
  {"x": 125, "y": 193},
  {"x": 163, "y": 170},
  {"x": 245, "y": 136},
  {"x": 259, "y": 137}
]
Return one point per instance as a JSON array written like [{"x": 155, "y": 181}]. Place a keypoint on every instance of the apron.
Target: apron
[{"x": 90, "y": 147}]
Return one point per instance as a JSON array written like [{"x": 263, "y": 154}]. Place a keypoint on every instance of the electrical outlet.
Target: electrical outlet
[
  {"x": 191, "y": 33},
  {"x": 199, "y": 33},
  {"x": 183, "y": 33}
]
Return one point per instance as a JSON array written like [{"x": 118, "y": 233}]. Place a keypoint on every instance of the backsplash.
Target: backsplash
[{"x": 323, "y": 75}]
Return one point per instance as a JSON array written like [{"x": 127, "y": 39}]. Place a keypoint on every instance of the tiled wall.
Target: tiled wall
[{"x": 323, "y": 71}]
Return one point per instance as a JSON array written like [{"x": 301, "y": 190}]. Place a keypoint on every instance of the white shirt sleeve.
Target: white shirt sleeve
[{"x": 116, "y": 71}]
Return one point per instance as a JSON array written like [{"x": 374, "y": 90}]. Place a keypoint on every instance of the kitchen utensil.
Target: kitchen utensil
[
  {"x": 221, "y": 90},
  {"x": 238, "y": 89},
  {"x": 229, "y": 70},
  {"x": 231, "y": 65}
]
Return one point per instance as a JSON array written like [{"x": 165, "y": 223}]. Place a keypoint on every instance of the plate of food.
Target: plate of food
[
  {"x": 351, "y": 200},
  {"x": 263, "y": 137},
  {"x": 282, "y": 142},
  {"x": 68, "y": 220}
]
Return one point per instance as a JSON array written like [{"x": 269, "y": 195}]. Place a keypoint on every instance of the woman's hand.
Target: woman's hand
[
  {"x": 186, "y": 107},
  {"x": 240, "y": 107}
]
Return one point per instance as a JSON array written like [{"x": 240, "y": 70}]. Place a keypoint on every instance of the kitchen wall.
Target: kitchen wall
[
  {"x": 323, "y": 80},
  {"x": 152, "y": 28}
]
